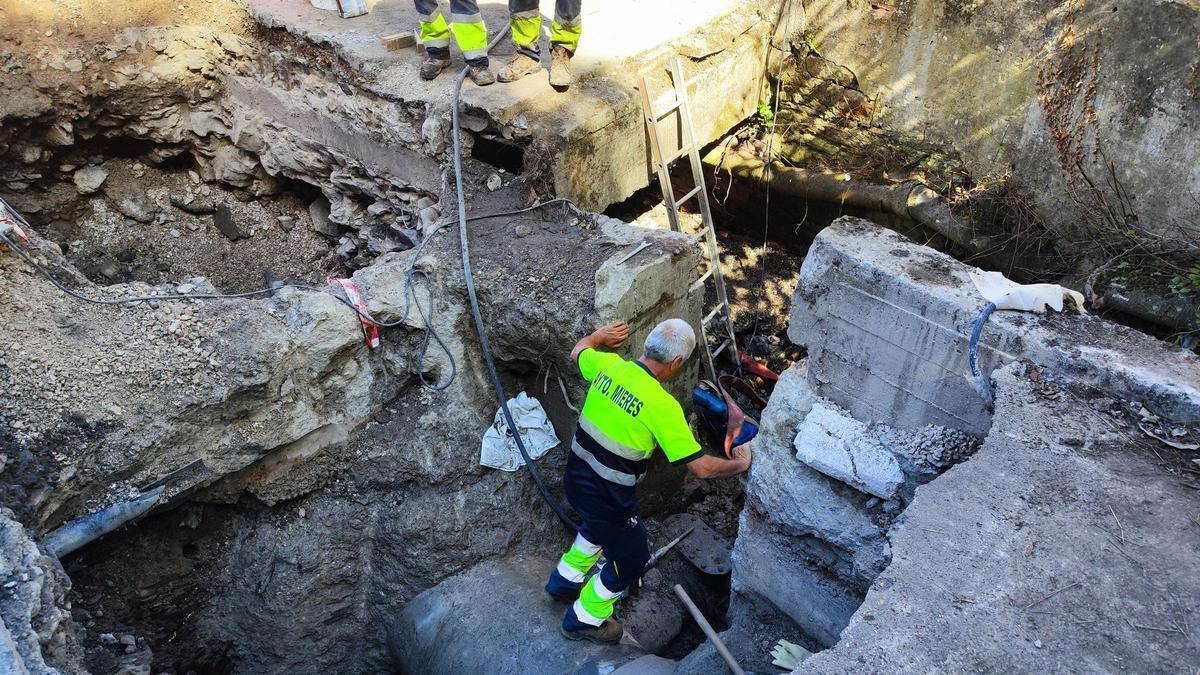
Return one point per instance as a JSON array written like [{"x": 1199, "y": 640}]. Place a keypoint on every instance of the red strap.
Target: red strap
[
  {"x": 370, "y": 329},
  {"x": 9, "y": 225}
]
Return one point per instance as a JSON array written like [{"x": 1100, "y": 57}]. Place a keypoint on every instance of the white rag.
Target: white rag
[
  {"x": 1008, "y": 294},
  {"x": 499, "y": 449}
]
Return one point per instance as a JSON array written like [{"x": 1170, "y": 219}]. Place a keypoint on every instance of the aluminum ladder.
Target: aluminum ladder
[{"x": 662, "y": 165}]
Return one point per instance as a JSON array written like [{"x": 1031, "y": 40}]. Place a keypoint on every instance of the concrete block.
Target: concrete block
[
  {"x": 887, "y": 323},
  {"x": 807, "y": 547},
  {"x": 840, "y": 447}
]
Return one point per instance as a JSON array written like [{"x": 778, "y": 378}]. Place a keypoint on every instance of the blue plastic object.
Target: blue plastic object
[{"x": 714, "y": 412}]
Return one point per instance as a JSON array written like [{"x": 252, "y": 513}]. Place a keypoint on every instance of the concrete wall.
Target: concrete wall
[
  {"x": 886, "y": 322},
  {"x": 966, "y": 72}
]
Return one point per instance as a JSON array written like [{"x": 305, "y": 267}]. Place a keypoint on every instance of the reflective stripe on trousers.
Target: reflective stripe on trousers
[
  {"x": 578, "y": 560},
  {"x": 526, "y": 22},
  {"x": 466, "y": 23}
]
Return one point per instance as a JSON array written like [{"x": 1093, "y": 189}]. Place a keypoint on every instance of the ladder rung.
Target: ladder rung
[
  {"x": 699, "y": 283},
  {"x": 718, "y": 350},
  {"x": 691, "y": 193},
  {"x": 670, "y": 109},
  {"x": 682, "y": 152},
  {"x": 720, "y": 306}
]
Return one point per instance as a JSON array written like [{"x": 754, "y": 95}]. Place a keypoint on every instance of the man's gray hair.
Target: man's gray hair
[{"x": 669, "y": 339}]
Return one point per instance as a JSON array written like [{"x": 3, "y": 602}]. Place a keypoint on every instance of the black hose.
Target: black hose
[{"x": 480, "y": 328}]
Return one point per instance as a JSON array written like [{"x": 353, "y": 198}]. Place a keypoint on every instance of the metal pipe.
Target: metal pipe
[
  {"x": 85, "y": 530},
  {"x": 708, "y": 630}
]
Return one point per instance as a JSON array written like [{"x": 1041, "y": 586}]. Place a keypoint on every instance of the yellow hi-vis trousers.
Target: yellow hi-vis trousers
[{"x": 466, "y": 23}]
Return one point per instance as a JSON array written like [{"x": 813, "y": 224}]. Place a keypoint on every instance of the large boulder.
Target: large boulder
[{"x": 495, "y": 618}]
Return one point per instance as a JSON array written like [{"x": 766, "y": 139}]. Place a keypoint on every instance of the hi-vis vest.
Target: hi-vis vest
[{"x": 626, "y": 415}]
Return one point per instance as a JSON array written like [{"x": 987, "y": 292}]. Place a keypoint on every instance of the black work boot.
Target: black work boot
[
  {"x": 607, "y": 633},
  {"x": 432, "y": 66}
]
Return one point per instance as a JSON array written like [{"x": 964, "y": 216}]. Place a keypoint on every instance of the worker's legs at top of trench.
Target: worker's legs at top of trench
[
  {"x": 627, "y": 551},
  {"x": 469, "y": 31},
  {"x": 525, "y": 19}
]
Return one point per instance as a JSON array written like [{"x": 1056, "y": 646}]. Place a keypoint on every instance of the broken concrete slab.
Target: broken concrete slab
[
  {"x": 1049, "y": 557},
  {"x": 839, "y": 446},
  {"x": 495, "y": 618},
  {"x": 887, "y": 323},
  {"x": 805, "y": 542}
]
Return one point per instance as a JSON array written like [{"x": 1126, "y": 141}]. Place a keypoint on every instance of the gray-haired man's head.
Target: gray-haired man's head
[{"x": 670, "y": 343}]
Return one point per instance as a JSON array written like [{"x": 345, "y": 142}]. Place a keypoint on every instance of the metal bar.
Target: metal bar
[
  {"x": 658, "y": 555},
  {"x": 691, "y": 193},
  {"x": 708, "y": 630},
  {"x": 664, "y": 174},
  {"x": 641, "y": 247}
]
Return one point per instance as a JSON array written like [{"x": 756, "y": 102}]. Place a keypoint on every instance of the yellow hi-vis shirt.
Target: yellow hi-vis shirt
[{"x": 626, "y": 415}]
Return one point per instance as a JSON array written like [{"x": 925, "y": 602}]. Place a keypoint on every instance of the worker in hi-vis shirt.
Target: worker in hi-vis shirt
[{"x": 626, "y": 415}]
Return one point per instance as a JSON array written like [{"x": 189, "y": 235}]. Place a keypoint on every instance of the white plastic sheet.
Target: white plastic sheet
[
  {"x": 499, "y": 449},
  {"x": 1008, "y": 294}
]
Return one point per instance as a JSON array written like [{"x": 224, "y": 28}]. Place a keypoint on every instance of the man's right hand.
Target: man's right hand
[
  {"x": 613, "y": 335},
  {"x": 742, "y": 452}
]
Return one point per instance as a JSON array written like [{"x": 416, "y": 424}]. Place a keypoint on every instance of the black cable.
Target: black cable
[{"x": 480, "y": 328}]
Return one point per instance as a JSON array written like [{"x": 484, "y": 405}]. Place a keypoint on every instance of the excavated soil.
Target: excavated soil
[{"x": 161, "y": 226}]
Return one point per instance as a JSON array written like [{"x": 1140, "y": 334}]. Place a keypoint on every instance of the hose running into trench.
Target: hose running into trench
[
  {"x": 480, "y": 326},
  {"x": 981, "y": 380}
]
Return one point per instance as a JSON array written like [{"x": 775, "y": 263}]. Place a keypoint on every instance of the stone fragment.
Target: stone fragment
[
  {"x": 61, "y": 133},
  {"x": 319, "y": 210},
  {"x": 192, "y": 205},
  {"x": 90, "y": 178},
  {"x": 135, "y": 206},
  {"x": 286, "y": 223},
  {"x": 840, "y": 447},
  {"x": 223, "y": 219},
  {"x": 494, "y": 182}
]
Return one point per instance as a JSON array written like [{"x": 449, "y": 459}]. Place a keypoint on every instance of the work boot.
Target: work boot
[
  {"x": 607, "y": 633},
  {"x": 560, "y": 67},
  {"x": 481, "y": 75},
  {"x": 518, "y": 66},
  {"x": 433, "y": 65}
]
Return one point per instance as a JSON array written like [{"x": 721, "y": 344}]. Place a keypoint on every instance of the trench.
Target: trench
[
  {"x": 304, "y": 572},
  {"x": 230, "y": 581}
]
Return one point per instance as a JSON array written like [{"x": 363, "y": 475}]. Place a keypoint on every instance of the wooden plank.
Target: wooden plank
[{"x": 400, "y": 41}]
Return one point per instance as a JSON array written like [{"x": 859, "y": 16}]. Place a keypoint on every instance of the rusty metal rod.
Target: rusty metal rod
[{"x": 708, "y": 630}]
